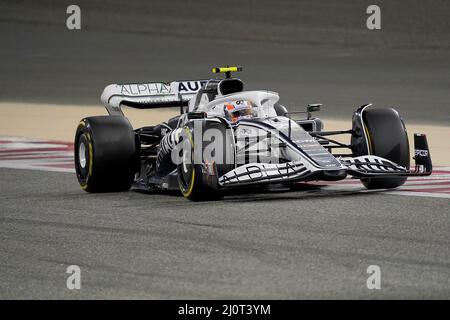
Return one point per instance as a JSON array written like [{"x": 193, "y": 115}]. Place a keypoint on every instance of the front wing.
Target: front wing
[{"x": 368, "y": 166}]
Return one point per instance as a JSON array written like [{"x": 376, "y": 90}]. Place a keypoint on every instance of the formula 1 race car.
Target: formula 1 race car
[{"x": 226, "y": 138}]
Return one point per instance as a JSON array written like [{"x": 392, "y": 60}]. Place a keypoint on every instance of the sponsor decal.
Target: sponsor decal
[
  {"x": 421, "y": 153},
  {"x": 161, "y": 88},
  {"x": 190, "y": 86},
  {"x": 144, "y": 89}
]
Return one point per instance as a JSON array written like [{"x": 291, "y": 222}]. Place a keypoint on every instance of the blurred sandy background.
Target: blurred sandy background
[{"x": 308, "y": 51}]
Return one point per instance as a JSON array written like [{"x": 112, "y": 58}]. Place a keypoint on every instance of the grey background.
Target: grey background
[{"x": 308, "y": 51}]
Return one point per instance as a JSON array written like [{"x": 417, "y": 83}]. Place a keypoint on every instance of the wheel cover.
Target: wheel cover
[
  {"x": 186, "y": 170},
  {"x": 83, "y": 158},
  {"x": 186, "y": 173},
  {"x": 82, "y": 154}
]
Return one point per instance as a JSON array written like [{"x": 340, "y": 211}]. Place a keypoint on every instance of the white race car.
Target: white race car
[{"x": 226, "y": 137}]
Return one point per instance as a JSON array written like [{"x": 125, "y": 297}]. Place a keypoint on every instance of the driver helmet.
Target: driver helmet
[{"x": 237, "y": 110}]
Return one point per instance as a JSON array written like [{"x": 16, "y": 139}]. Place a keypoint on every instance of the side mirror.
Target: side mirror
[{"x": 313, "y": 107}]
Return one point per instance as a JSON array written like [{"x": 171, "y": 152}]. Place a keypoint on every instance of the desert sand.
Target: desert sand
[{"x": 56, "y": 122}]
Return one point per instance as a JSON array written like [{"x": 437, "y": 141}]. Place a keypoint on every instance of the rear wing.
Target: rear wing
[{"x": 149, "y": 95}]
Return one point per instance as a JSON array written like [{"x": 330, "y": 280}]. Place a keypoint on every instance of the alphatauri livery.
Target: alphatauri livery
[{"x": 226, "y": 137}]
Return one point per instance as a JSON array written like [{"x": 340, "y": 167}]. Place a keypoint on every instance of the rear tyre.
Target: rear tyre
[
  {"x": 106, "y": 154},
  {"x": 386, "y": 138}
]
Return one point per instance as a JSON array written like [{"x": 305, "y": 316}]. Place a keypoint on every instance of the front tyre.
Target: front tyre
[
  {"x": 387, "y": 138},
  {"x": 106, "y": 154},
  {"x": 199, "y": 181}
]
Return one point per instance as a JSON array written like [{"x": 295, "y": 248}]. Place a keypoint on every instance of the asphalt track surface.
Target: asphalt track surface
[{"x": 289, "y": 245}]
